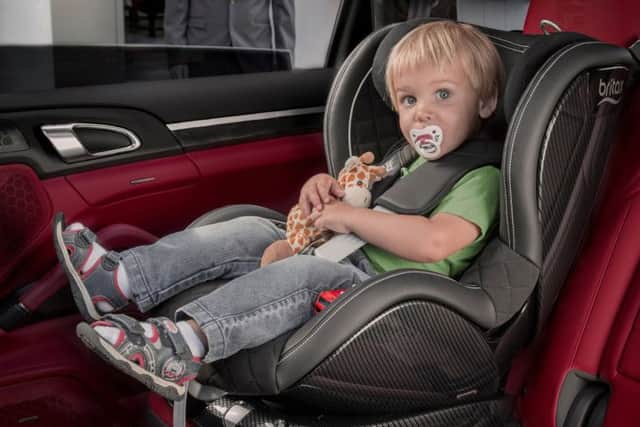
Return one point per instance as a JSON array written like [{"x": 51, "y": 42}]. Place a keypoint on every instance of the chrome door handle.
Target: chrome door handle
[{"x": 66, "y": 142}]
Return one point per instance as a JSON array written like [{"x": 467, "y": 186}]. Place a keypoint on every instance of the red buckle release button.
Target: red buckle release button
[{"x": 325, "y": 298}]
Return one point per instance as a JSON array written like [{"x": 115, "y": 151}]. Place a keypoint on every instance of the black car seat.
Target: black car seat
[{"x": 415, "y": 347}]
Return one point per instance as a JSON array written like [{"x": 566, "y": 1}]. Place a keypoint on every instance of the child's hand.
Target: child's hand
[
  {"x": 319, "y": 190},
  {"x": 335, "y": 217}
]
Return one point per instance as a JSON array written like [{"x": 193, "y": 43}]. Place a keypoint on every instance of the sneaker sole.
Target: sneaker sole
[
  {"x": 78, "y": 289},
  {"x": 109, "y": 354}
]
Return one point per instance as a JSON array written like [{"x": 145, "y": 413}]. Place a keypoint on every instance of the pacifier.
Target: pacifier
[{"x": 427, "y": 141}]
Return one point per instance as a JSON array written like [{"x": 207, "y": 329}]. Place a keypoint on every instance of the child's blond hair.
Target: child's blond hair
[{"x": 441, "y": 42}]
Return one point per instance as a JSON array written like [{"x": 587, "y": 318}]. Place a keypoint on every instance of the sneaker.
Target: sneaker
[
  {"x": 158, "y": 357},
  {"x": 99, "y": 282}
]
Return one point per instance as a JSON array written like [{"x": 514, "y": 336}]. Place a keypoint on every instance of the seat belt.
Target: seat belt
[
  {"x": 180, "y": 411},
  {"x": 409, "y": 195}
]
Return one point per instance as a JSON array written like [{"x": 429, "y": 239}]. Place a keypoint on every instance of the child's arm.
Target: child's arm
[{"x": 412, "y": 237}]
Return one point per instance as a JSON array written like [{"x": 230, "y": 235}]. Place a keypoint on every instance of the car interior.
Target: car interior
[{"x": 539, "y": 331}]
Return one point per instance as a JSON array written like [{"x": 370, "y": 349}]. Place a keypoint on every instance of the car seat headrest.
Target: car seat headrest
[{"x": 522, "y": 56}]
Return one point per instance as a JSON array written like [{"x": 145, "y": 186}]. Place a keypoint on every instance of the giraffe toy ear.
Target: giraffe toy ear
[
  {"x": 367, "y": 158},
  {"x": 376, "y": 173}
]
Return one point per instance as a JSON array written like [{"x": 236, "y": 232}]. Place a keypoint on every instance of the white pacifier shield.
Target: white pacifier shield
[{"x": 427, "y": 141}]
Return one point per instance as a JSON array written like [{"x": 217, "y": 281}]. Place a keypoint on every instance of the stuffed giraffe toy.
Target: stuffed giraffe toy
[{"x": 356, "y": 179}]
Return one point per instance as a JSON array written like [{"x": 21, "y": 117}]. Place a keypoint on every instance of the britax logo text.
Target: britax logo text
[{"x": 610, "y": 89}]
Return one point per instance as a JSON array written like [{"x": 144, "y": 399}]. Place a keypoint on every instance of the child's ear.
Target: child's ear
[{"x": 486, "y": 107}]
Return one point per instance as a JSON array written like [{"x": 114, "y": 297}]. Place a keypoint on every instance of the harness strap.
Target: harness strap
[
  {"x": 421, "y": 191},
  {"x": 399, "y": 156}
]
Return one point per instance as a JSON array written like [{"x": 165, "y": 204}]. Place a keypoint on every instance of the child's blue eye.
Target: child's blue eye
[
  {"x": 408, "y": 100},
  {"x": 443, "y": 94}
]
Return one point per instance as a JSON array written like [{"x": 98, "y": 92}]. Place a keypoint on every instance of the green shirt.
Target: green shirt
[{"x": 475, "y": 198}]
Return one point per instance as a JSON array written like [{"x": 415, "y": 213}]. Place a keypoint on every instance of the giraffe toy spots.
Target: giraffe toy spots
[{"x": 356, "y": 179}]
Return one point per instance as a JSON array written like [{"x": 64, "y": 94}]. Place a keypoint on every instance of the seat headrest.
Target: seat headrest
[{"x": 522, "y": 56}]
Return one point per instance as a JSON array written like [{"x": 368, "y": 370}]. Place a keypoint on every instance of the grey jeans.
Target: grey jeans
[{"x": 258, "y": 304}]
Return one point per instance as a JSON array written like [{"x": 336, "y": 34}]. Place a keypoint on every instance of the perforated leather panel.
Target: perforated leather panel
[{"x": 24, "y": 211}]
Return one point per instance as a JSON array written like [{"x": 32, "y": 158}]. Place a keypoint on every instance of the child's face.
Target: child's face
[{"x": 438, "y": 108}]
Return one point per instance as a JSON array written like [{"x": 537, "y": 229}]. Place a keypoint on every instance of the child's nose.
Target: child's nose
[{"x": 423, "y": 115}]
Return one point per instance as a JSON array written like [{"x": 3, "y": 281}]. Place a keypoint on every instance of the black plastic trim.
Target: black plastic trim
[
  {"x": 235, "y": 133},
  {"x": 150, "y": 106},
  {"x": 190, "y": 99},
  {"x": 353, "y": 25},
  {"x": 157, "y": 140},
  {"x": 588, "y": 406},
  {"x": 14, "y": 316},
  {"x": 574, "y": 383}
]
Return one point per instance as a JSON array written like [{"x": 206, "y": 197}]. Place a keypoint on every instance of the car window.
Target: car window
[
  {"x": 63, "y": 43},
  {"x": 503, "y": 15}
]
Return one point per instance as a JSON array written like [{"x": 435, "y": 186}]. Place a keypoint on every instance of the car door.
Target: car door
[
  {"x": 108, "y": 135},
  {"x": 136, "y": 141}
]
